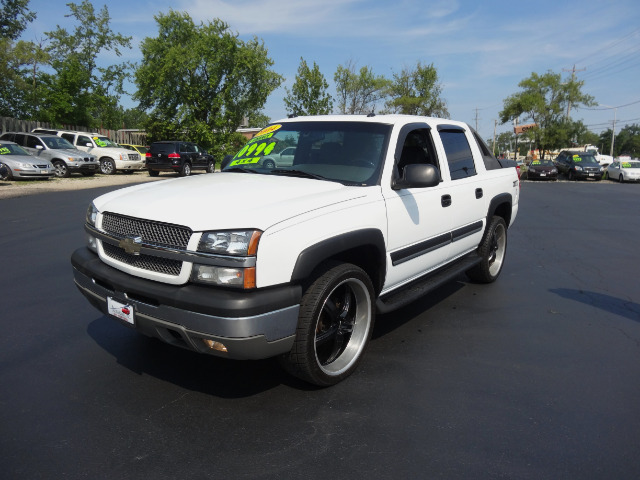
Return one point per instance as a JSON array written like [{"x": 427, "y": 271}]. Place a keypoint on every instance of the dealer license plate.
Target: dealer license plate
[
  {"x": 543, "y": 174},
  {"x": 591, "y": 174},
  {"x": 120, "y": 310}
]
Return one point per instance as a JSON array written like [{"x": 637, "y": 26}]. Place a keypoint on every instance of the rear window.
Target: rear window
[{"x": 163, "y": 147}]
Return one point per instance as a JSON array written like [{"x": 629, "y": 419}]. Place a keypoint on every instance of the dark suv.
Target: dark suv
[
  {"x": 576, "y": 164},
  {"x": 181, "y": 157}
]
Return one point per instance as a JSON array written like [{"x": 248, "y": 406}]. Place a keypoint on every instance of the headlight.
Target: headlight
[
  {"x": 224, "y": 276},
  {"x": 92, "y": 213},
  {"x": 578, "y": 168},
  {"x": 232, "y": 242},
  {"x": 554, "y": 170}
]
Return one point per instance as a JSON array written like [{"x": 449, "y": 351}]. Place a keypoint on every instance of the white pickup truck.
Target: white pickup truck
[{"x": 294, "y": 262}]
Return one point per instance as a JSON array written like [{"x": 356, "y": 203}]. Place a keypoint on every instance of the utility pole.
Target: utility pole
[
  {"x": 476, "y": 119},
  {"x": 613, "y": 131},
  {"x": 573, "y": 77},
  {"x": 495, "y": 125}
]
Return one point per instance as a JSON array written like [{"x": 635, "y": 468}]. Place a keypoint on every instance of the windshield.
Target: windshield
[
  {"x": 104, "y": 142},
  {"x": 585, "y": 158},
  {"x": 57, "y": 143},
  {"x": 630, "y": 164},
  {"x": 542, "y": 163},
  {"x": 11, "y": 149},
  {"x": 351, "y": 153}
]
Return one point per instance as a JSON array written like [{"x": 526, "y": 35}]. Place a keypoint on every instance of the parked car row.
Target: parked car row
[
  {"x": 112, "y": 157},
  {"x": 581, "y": 165},
  {"x": 16, "y": 162}
]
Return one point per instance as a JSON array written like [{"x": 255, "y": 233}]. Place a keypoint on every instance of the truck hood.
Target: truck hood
[{"x": 227, "y": 200}]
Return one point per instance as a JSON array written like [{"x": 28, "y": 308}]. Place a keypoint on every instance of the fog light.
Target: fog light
[
  {"x": 92, "y": 243},
  {"x": 213, "y": 345}
]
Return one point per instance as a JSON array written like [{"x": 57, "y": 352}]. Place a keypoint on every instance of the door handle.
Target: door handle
[{"x": 445, "y": 200}]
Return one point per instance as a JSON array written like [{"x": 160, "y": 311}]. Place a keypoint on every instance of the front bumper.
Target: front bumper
[
  {"x": 583, "y": 175},
  {"x": 83, "y": 167},
  {"x": 251, "y": 325},
  {"x": 533, "y": 175}
]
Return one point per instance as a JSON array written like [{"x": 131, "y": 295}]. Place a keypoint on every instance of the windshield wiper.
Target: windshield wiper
[
  {"x": 240, "y": 169},
  {"x": 300, "y": 173}
]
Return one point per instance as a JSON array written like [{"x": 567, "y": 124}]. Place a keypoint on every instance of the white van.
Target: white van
[{"x": 112, "y": 157}]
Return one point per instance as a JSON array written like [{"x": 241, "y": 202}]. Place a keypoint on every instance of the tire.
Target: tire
[
  {"x": 492, "y": 250},
  {"x": 334, "y": 325},
  {"x": 621, "y": 178},
  {"x": 211, "y": 168},
  {"x": 185, "y": 171},
  {"x": 61, "y": 169},
  {"x": 107, "y": 166},
  {"x": 88, "y": 174},
  {"x": 5, "y": 172},
  {"x": 269, "y": 165},
  {"x": 154, "y": 173},
  {"x": 570, "y": 175}
]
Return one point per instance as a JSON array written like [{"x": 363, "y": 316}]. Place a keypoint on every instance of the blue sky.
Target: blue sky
[{"x": 481, "y": 50}]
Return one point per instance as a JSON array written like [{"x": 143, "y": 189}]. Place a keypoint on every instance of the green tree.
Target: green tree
[
  {"x": 417, "y": 92},
  {"x": 360, "y": 92},
  {"x": 308, "y": 95},
  {"x": 79, "y": 91},
  {"x": 627, "y": 141},
  {"x": 14, "y": 17},
  {"x": 200, "y": 81},
  {"x": 545, "y": 100}
]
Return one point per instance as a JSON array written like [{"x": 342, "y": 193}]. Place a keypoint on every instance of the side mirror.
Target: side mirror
[
  {"x": 88, "y": 144},
  {"x": 417, "y": 176},
  {"x": 39, "y": 147}
]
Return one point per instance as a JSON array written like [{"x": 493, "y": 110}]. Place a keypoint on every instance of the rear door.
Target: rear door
[{"x": 466, "y": 188}]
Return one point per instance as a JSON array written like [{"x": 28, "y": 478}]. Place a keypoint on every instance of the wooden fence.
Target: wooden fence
[{"x": 134, "y": 137}]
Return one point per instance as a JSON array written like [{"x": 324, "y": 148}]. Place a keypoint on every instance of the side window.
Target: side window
[
  {"x": 70, "y": 137},
  {"x": 417, "y": 149},
  {"x": 20, "y": 139},
  {"x": 83, "y": 140},
  {"x": 458, "y": 152},
  {"x": 182, "y": 148},
  {"x": 32, "y": 142}
]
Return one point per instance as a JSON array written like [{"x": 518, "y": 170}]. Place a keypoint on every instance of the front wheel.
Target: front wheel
[
  {"x": 334, "y": 326},
  {"x": 621, "y": 178},
  {"x": 492, "y": 250},
  {"x": 211, "y": 168},
  {"x": 61, "y": 169},
  {"x": 5, "y": 172},
  {"x": 107, "y": 166}
]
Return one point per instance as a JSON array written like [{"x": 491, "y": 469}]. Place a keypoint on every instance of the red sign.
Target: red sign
[{"x": 524, "y": 128}]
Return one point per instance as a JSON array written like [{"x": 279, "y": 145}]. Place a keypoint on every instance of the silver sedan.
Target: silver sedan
[
  {"x": 624, "y": 170},
  {"x": 16, "y": 163}
]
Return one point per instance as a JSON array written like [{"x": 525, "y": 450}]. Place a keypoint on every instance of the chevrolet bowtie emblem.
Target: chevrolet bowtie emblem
[{"x": 131, "y": 245}]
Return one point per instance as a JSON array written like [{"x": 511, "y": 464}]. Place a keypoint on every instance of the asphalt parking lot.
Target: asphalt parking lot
[{"x": 533, "y": 377}]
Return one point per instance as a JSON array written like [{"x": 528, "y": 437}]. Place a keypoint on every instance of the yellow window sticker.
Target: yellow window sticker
[
  {"x": 244, "y": 161},
  {"x": 4, "y": 151},
  {"x": 577, "y": 158},
  {"x": 269, "y": 129},
  {"x": 626, "y": 165}
]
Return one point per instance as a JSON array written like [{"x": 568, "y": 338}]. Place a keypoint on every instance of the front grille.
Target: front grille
[
  {"x": 41, "y": 166},
  {"x": 164, "y": 234},
  {"x": 133, "y": 157},
  {"x": 145, "y": 262}
]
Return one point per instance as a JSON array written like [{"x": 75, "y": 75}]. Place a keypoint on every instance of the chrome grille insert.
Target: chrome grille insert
[
  {"x": 163, "y": 234},
  {"x": 145, "y": 262}
]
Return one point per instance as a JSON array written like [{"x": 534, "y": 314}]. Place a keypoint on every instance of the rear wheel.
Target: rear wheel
[
  {"x": 61, "y": 169},
  {"x": 185, "y": 171},
  {"x": 334, "y": 326},
  {"x": 107, "y": 166},
  {"x": 621, "y": 178},
  {"x": 154, "y": 173},
  {"x": 492, "y": 250}
]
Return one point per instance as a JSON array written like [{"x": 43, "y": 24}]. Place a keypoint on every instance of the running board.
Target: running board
[{"x": 416, "y": 289}]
